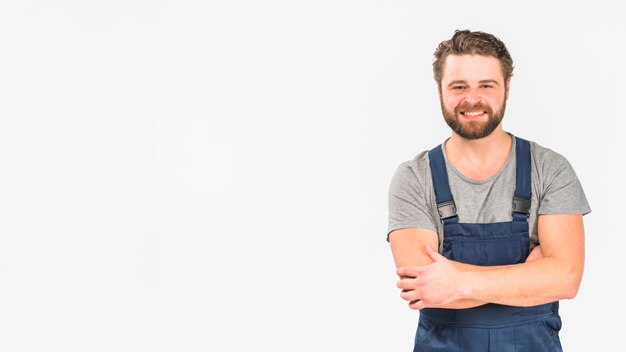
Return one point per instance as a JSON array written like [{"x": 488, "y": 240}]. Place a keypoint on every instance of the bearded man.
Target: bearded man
[{"x": 486, "y": 229}]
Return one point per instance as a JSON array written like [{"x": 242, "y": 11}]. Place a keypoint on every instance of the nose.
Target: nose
[{"x": 473, "y": 97}]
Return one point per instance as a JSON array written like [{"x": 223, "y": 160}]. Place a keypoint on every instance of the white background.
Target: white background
[{"x": 213, "y": 176}]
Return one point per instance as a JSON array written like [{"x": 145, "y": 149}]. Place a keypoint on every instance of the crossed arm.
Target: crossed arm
[{"x": 430, "y": 280}]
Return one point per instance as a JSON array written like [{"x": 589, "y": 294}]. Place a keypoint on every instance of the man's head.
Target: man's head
[{"x": 473, "y": 72}]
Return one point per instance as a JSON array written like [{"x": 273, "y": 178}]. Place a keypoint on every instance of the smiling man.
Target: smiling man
[{"x": 486, "y": 229}]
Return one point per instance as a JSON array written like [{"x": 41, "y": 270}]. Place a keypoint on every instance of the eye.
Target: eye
[
  {"x": 458, "y": 87},
  {"x": 487, "y": 86}
]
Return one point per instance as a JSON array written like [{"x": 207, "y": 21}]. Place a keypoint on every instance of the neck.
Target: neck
[{"x": 479, "y": 157}]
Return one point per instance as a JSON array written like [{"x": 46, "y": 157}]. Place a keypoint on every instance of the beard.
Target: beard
[{"x": 473, "y": 129}]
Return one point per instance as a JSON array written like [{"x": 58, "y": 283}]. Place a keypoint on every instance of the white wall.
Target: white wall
[{"x": 212, "y": 176}]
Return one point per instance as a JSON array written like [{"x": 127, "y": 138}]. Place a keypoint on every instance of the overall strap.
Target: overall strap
[
  {"x": 443, "y": 195},
  {"x": 522, "y": 197}
]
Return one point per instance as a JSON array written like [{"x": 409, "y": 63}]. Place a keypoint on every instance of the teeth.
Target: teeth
[{"x": 475, "y": 113}]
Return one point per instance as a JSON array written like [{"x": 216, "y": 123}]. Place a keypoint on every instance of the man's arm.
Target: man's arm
[
  {"x": 555, "y": 276},
  {"x": 409, "y": 249}
]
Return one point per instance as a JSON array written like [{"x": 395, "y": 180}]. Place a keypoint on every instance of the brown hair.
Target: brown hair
[{"x": 468, "y": 42}]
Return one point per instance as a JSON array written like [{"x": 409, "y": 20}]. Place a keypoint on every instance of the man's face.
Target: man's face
[{"x": 472, "y": 94}]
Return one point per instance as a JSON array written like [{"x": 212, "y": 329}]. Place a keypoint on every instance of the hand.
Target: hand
[
  {"x": 432, "y": 285},
  {"x": 535, "y": 254}
]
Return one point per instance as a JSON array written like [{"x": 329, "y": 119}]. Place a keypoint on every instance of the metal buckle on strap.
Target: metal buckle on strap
[
  {"x": 521, "y": 205},
  {"x": 446, "y": 209}
]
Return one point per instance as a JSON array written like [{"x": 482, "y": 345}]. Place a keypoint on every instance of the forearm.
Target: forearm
[
  {"x": 469, "y": 267},
  {"x": 550, "y": 274},
  {"x": 408, "y": 246},
  {"x": 527, "y": 284},
  {"x": 469, "y": 303}
]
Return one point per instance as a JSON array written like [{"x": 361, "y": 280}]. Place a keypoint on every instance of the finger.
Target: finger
[
  {"x": 406, "y": 284},
  {"x": 417, "y": 305},
  {"x": 535, "y": 254},
  {"x": 408, "y": 271},
  {"x": 410, "y": 296},
  {"x": 434, "y": 255}
]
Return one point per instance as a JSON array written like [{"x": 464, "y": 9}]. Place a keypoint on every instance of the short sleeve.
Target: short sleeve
[
  {"x": 562, "y": 191},
  {"x": 407, "y": 205}
]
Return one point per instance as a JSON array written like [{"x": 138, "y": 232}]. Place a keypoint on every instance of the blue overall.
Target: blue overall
[{"x": 490, "y": 327}]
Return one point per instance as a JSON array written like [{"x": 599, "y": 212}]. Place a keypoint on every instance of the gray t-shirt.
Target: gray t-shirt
[{"x": 555, "y": 190}]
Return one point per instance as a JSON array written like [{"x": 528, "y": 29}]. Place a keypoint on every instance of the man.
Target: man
[{"x": 485, "y": 200}]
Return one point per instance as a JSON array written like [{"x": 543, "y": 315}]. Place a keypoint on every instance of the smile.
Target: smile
[{"x": 473, "y": 115}]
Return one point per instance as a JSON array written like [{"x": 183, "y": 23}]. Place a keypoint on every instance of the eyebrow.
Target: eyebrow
[{"x": 481, "y": 81}]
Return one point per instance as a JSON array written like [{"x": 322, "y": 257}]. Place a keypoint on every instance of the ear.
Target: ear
[{"x": 506, "y": 90}]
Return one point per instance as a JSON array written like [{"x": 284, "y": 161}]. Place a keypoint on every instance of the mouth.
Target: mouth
[{"x": 473, "y": 115}]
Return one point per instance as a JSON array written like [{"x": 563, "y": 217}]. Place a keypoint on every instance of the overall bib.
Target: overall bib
[{"x": 490, "y": 327}]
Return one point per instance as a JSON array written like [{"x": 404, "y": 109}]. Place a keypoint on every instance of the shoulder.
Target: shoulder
[
  {"x": 543, "y": 155},
  {"x": 547, "y": 161},
  {"x": 414, "y": 168},
  {"x": 554, "y": 175},
  {"x": 411, "y": 173},
  {"x": 558, "y": 187}
]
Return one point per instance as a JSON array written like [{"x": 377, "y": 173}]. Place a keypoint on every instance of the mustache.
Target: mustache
[{"x": 463, "y": 107}]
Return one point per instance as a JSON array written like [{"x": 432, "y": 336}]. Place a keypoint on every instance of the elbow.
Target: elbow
[
  {"x": 572, "y": 284},
  {"x": 570, "y": 291}
]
